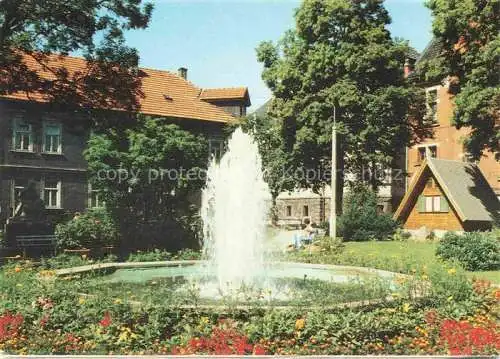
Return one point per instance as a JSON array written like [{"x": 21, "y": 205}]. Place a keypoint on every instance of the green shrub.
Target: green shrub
[
  {"x": 187, "y": 254},
  {"x": 91, "y": 229},
  {"x": 474, "y": 251},
  {"x": 401, "y": 235},
  {"x": 330, "y": 245},
  {"x": 155, "y": 255},
  {"x": 360, "y": 220}
]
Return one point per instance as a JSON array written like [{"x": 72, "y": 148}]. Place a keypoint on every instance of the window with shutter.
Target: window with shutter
[
  {"x": 421, "y": 204},
  {"x": 445, "y": 207}
]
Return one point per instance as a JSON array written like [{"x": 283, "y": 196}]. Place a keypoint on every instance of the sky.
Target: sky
[{"x": 216, "y": 39}]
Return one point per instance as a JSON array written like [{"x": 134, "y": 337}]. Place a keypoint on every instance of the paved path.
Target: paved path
[{"x": 280, "y": 241}]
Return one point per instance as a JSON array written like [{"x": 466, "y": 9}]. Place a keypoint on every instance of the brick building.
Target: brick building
[
  {"x": 45, "y": 146},
  {"x": 446, "y": 141}
]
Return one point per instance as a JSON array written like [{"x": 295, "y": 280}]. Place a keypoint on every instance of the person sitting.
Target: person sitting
[
  {"x": 308, "y": 231},
  {"x": 306, "y": 235}
]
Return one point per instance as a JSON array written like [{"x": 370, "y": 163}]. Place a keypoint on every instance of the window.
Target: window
[
  {"x": 19, "y": 186},
  {"x": 23, "y": 136},
  {"x": 432, "y": 102},
  {"x": 427, "y": 152},
  {"x": 95, "y": 198},
  {"x": 430, "y": 183},
  {"x": 52, "y": 138},
  {"x": 288, "y": 211},
  {"x": 433, "y": 204},
  {"x": 52, "y": 193},
  {"x": 215, "y": 148},
  {"x": 306, "y": 211}
]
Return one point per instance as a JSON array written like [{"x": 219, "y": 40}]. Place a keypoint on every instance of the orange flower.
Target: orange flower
[{"x": 17, "y": 269}]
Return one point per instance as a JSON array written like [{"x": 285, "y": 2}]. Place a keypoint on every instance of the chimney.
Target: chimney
[
  {"x": 183, "y": 72},
  {"x": 409, "y": 66}
]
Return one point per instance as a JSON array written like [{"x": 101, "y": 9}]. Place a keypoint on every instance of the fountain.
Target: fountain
[{"x": 235, "y": 207}]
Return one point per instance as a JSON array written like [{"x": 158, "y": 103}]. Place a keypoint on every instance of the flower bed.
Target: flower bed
[{"x": 53, "y": 317}]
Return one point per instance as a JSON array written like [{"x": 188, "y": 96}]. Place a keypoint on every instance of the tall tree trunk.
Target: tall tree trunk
[{"x": 373, "y": 180}]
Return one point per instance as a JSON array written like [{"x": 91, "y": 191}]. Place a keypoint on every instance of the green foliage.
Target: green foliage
[
  {"x": 329, "y": 245},
  {"x": 448, "y": 282},
  {"x": 155, "y": 255},
  {"x": 187, "y": 254},
  {"x": 158, "y": 167},
  {"x": 340, "y": 59},
  {"x": 475, "y": 250},
  {"x": 95, "y": 29},
  {"x": 267, "y": 132},
  {"x": 468, "y": 31},
  {"x": 94, "y": 228},
  {"x": 401, "y": 235},
  {"x": 360, "y": 220}
]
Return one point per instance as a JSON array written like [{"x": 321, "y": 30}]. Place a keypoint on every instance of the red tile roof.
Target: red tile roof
[
  {"x": 164, "y": 93},
  {"x": 227, "y": 93}
]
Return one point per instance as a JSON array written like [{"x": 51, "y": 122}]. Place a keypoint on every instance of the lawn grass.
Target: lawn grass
[
  {"x": 415, "y": 253},
  {"x": 397, "y": 256}
]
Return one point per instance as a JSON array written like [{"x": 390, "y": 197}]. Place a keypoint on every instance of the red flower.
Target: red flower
[
  {"x": 106, "y": 320},
  {"x": 258, "y": 350},
  {"x": 10, "y": 325}
]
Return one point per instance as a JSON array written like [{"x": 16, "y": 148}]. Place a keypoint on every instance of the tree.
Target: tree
[
  {"x": 340, "y": 59},
  {"x": 35, "y": 31},
  {"x": 468, "y": 32},
  {"x": 149, "y": 176},
  {"x": 360, "y": 220},
  {"x": 267, "y": 133}
]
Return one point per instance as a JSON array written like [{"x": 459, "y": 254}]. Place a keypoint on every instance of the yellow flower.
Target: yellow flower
[
  {"x": 118, "y": 301},
  {"x": 19, "y": 285},
  {"x": 300, "y": 324},
  {"x": 450, "y": 298},
  {"x": 452, "y": 271},
  {"x": 425, "y": 277},
  {"x": 406, "y": 307},
  {"x": 81, "y": 300}
]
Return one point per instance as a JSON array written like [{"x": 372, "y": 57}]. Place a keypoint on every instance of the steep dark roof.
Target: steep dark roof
[
  {"x": 412, "y": 53},
  {"x": 465, "y": 187},
  {"x": 431, "y": 51}
]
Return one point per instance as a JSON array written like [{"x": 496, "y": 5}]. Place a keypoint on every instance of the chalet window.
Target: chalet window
[
  {"x": 52, "y": 133},
  {"x": 23, "y": 136},
  {"x": 52, "y": 193},
  {"x": 215, "y": 148},
  {"x": 430, "y": 183},
  {"x": 432, "y": 204},
  {"x": 95, "y": 198},
  {"x": 306, "y": 211},
  {"x": 288, "y": 211}
]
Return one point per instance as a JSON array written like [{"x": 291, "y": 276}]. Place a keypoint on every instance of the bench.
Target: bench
[{"x": 36, "y": 241}]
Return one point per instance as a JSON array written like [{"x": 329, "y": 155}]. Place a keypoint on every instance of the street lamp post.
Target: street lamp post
[{"x": 333, "y": 201}]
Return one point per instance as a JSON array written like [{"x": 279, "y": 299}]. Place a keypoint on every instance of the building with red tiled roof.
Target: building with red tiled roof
[{"x": 40, "y": 142}]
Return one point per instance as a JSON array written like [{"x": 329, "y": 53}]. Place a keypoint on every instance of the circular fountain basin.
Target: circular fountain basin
[
  {"x": 198, "y": 269},
  {"x": 285, "y": 284}
]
